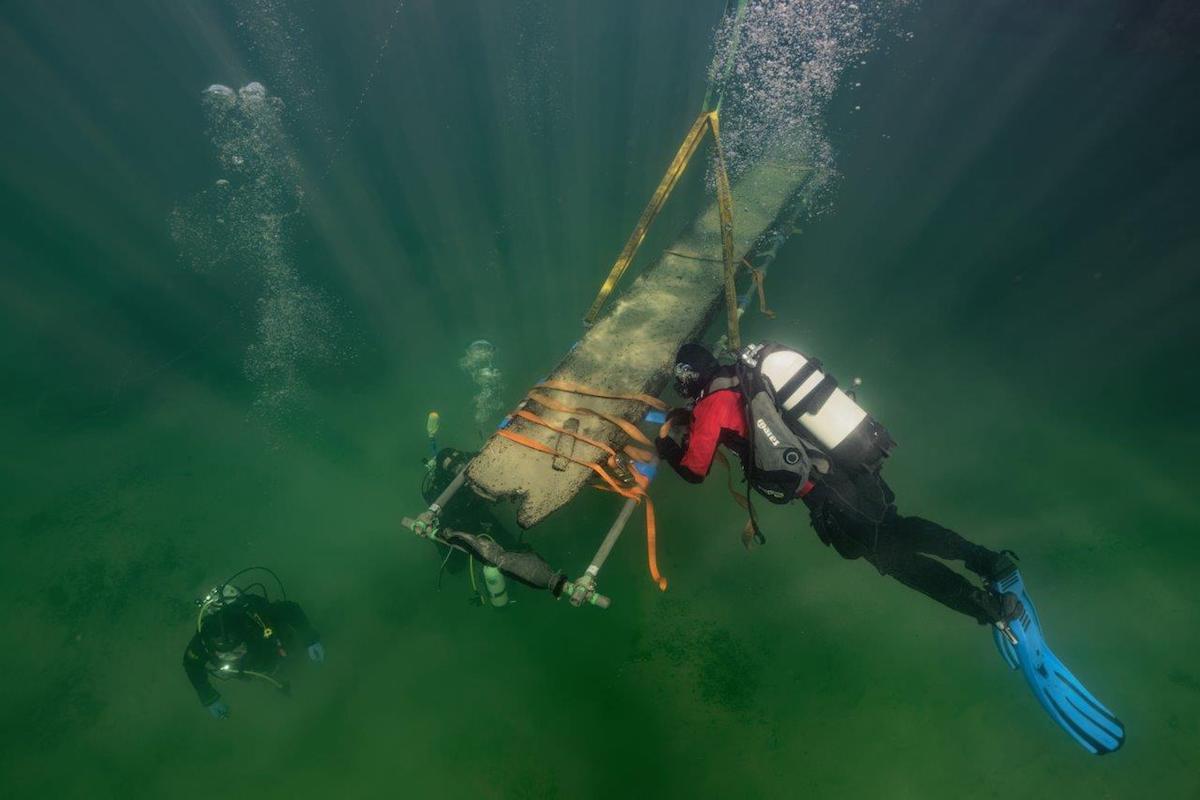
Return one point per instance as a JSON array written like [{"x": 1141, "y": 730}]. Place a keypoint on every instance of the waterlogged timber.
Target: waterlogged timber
[{"x": 629, "y": 350}]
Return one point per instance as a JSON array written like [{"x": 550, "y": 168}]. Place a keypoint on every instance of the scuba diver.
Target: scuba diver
[
  {"x": 466, "y": 511},
  {"x": 799, "y": 436},
  {"x": 851, "y": 508},
  {"x": 469, "y": 531},
  {"x": 243, "y": 634},
  {"x": 469, "y": 513}
]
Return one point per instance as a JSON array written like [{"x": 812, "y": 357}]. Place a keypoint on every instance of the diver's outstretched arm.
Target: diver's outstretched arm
[{"x": 195, "y": 664}]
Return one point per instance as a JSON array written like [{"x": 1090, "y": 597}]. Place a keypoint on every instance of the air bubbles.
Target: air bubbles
[
  {"x": 480, "y": 353},
  {"x": 479, "y": 362},
  {"x": 218, "y": 98},
  {"x": 273, "y": 33},
  {"x": 240, "y": 224},
  {"x": 789, "y": 60},
  {"x": 253, "y": 92}
]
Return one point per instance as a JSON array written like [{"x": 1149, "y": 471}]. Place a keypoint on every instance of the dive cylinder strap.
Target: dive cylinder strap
[
  {"x": 814, "y": 401},
  {"x": 784, "y": 393}
]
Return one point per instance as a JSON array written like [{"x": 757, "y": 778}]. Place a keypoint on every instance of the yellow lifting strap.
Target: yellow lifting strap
[
  {"x": 707, "y": 121},
  {"x": 725, "y": 207}
]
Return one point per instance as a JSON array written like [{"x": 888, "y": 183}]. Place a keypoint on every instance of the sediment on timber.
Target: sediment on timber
[{"x": 630, "y": 348}]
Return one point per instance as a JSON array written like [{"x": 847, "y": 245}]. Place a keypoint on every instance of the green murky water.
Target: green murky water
[{"x": 198, "y": 377}]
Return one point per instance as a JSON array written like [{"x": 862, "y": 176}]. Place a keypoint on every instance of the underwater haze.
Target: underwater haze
[{"x": 246, "y": 247}]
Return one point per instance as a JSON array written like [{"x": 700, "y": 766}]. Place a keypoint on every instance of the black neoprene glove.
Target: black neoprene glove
[
  {"x": 679, "y": 416},
  {"x": 669, "y": 450}
]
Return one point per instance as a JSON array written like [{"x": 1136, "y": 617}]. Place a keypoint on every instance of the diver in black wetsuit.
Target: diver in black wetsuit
[
  {"x": 855, "y": 514},
  {"x": 852, "y": 510},
  {"x": 245, "y": 636},
  {"x": 466, "y": 511}
]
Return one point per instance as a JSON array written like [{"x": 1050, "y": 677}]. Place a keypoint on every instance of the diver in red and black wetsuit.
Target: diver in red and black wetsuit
[
  {"x": 853, "y": 511},
  {"x": 718, "y": 418}
]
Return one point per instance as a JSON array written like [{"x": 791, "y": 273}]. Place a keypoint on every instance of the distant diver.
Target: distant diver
[
  {"x": 242, "y": 634},
  {"x": 466, "y": 530},
  {"x": 799, "y": 436}
]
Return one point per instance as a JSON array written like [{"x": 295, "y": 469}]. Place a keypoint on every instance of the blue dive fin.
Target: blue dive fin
[{"x": 1066, "y": 700}]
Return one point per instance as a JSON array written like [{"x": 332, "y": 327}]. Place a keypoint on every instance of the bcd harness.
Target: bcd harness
[{"x": 787, "y": 402}]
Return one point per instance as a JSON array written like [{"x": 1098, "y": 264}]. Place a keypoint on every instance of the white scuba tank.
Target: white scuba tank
[
  {"x": 497, "y": 587},
  {"x": 813, "y": 406}
]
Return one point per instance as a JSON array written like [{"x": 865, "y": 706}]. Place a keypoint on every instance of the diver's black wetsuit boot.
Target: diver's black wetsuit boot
[{"x": 999, "y": 607}]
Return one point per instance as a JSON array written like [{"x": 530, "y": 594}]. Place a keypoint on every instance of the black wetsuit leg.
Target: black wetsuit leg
[
  {"x": 925, "y": 536},
  {"x": 926, "y": 575},
  {"x": 855, "y": 516}
]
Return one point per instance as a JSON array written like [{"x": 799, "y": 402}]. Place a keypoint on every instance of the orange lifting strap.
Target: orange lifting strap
[
  {"x": 578, "y": 388},
  {"x": 638, "y": 491}
]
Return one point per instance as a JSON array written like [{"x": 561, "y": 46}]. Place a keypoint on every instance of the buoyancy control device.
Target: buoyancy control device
[{"x": 777, "y": 463}]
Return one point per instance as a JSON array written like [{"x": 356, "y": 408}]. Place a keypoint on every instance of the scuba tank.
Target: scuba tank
[
  {"x": 432, "y": 423},
  {"x": 218, "y": 598},
  {"x": 813, "y": 407},
  {"x": 227, "y": 596},
  {"x": 497, "y": 587}
]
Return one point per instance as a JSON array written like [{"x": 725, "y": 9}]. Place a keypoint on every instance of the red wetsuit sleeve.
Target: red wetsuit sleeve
[{"x": 718, "y": 412}]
